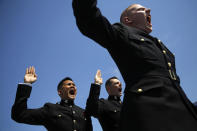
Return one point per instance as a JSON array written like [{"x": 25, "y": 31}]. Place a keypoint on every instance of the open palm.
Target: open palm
[
  {"x": 98, "y": 79},
  {"x": 30, "y": 75}
]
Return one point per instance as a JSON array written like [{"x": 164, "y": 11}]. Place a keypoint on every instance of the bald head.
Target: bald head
[
  {"x": 126, "y": 13},
  {"x": 137, "y": 16}
]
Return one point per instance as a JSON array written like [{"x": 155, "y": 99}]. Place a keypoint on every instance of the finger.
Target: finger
[
  {"x": 99, "y": 73},
  {"x": 33, "y": 70},
  {"x": 35, "y": 76},
  {"x": 29, "y": 70},
  {"x": 26, "y": 71},
  {"x": 96, "y": 74}
]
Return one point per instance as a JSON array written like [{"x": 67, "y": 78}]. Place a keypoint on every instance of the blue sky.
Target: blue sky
[{"x": 43, "y": 33}]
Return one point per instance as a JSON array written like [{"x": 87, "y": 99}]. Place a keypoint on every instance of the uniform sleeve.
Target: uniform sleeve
[
  {"x": 94, "y": 106},
  {"x": 93, "y": 24},
  {"x": 195, "y": 104},
  {"x": 89, "y": 126},
  {"x": 20, "y": 113}
]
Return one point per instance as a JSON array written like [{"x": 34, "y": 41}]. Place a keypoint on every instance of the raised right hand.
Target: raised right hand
[
  {"x": 30, "y": 75},
  {"x": 98, "y": 79}
]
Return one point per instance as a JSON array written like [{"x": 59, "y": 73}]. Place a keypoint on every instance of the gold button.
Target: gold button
[
  {"x": 164, "y": 51},
  {"x": 139, "y": 90},
  {"x": 169, "y": 64},
  {"x": 74, "y": 121},
  {"x": 59, "y": 115},
  {"x": 142, "y": 39}
]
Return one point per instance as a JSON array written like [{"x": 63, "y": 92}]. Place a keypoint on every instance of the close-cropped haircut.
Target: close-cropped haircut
[
  {"x": 108, "y": 82},
  {"x": 125, "y": 13},
  {"x": 61, "y": 82}
]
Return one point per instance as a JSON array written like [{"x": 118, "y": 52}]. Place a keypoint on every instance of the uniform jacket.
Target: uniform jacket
[
  {"x": 106, "y": 110},
  {"x": 154, "y": 99},
  {"x": 63, "y": 116},
  {"x": 195, "y": 104}
]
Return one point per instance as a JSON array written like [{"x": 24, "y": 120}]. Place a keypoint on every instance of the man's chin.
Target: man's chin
[
  {"x": 119, "y": 94},
  {"x": 149, "y": 29},
  {"x": 71, "y": 97}
]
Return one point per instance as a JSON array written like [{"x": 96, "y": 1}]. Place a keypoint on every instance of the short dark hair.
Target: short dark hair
[
  {"x": 108, "y": 82},
  {"x": 61, "y": 82}
]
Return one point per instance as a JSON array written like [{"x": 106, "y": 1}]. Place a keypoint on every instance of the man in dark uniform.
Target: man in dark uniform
[
  {"x": 63, "y": 116},
  {"x": 195, "y": 104},
  {"x": 154, "y": 100},
  {"x": 107, "y": 111}
]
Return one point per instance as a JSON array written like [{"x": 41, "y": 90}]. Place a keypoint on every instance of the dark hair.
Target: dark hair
[
  {"x": 108, "y": 82},
  {"x": 61, "y": 82}
]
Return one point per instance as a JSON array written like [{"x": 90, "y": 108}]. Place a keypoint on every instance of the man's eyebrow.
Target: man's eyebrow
[{"x": 141, "y": 8}]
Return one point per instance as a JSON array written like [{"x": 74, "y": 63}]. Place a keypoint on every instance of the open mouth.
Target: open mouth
[
  {"x": 148, "y": 19},
  {"x": 120, "y": 89},
  {"x": 72, "y": 92}
]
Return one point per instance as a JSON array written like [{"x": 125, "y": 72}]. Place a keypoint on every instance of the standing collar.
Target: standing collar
[
  {"x": 116, "y": 98},
  {"x": 67, "y": 102},
  {"x": 138, "y": 31},
  {"x": 134, "y": 30}
]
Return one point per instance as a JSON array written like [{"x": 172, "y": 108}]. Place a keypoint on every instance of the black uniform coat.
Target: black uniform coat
[
  {"x": 63, "y": 116},
  {"x": 195, "y": 104},
  {"x": 154, "y": 100},
  {"x": 106, "y": 110}
]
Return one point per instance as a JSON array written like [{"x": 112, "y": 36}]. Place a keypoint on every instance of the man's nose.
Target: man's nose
[
  {"x": 148, "y": 10},
  {"x": 72, "y": 86}
]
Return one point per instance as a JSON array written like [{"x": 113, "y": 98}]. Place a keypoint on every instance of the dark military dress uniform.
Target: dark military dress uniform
[
  {"x": 106, "y": 110},
  {"x": 63, "y": 116},
  {"x": 195, "y": 104},
  {"x": 154, "y": 100}
]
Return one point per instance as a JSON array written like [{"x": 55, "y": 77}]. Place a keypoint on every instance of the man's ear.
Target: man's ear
[
  {"x": 127, "y": 20},
  {"x": 59, "y": 92},
  {"x": 108, "y": 89}
]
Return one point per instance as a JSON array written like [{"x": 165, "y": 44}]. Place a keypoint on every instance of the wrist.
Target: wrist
[
  {"x": 27, "y": 82},
  {"x": 97, "y": 83}
]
